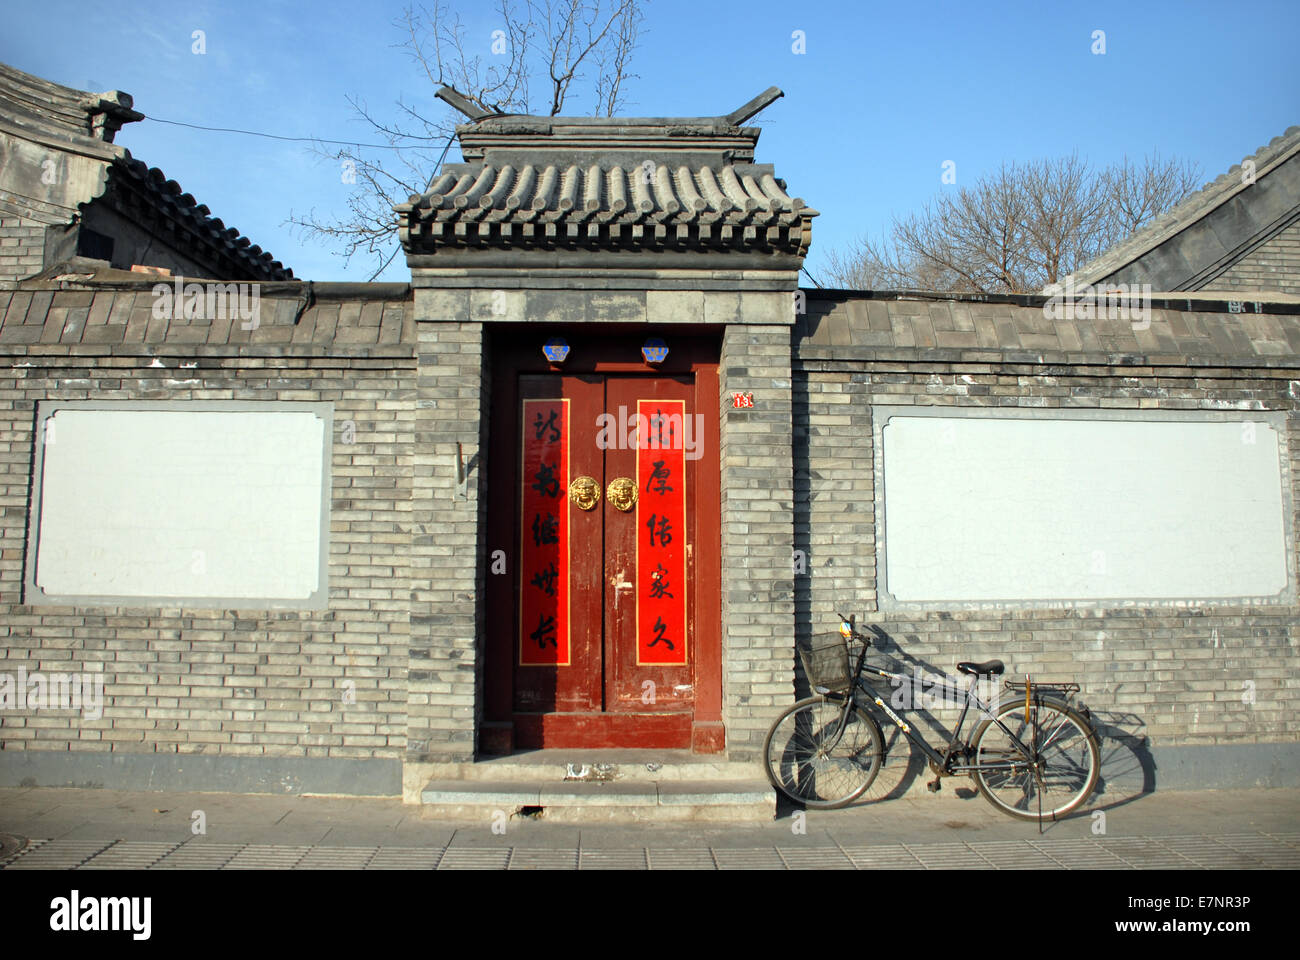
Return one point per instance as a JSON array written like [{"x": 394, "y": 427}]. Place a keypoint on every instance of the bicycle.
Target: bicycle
[{"x": 1035, "y": 758}]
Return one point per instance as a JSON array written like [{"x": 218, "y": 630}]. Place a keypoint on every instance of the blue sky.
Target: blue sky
[{"x": 883, "y": 95}]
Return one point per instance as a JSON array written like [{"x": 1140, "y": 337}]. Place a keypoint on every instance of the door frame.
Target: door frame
[{"x": 516, "y": 349}]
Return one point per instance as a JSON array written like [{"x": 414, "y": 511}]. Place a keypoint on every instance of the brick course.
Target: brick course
[
  {"x": 757, "y": 534},
  {"x": 1273, "y": 265},
  {"x": 22, "y": 248}
]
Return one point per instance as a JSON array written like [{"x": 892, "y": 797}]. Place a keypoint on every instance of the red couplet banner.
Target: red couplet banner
[
  {"x": 544, "y": 537},
  {"x": 661, "y": 534}
]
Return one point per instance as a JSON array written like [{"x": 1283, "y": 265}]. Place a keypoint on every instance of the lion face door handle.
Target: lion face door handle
[
  {"x": 621, "y": 492},
  {"x": 584, "y": 492}
]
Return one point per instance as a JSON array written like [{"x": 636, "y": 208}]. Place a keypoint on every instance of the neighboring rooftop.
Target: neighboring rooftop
[
  {"x": 1216, "y": 238},
  {"x": 49, "y": 127},
  {"x": 42, "y": 108}
]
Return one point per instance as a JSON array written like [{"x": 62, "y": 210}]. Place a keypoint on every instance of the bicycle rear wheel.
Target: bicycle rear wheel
[
  {"x": 820, "y": 758},
  {"x": 1064, "y": 747}
]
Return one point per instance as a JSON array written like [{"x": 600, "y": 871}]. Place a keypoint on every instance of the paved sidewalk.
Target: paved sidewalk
[{"x": 103, "y": 829}]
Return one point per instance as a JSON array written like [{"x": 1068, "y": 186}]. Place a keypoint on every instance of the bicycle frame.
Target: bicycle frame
[{"x": 941, "y": 763}]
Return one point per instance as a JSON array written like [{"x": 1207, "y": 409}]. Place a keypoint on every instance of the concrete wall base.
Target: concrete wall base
[
  {"x": 1126, "y": 771},
  {"x": 374, "y": 777}
]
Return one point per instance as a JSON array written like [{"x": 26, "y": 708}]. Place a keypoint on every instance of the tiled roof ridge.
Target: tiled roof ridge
[
  {"x": 1209, "y": 197},
  {"x": 685, "y": 183},
  {"x": 495, "y": 132}
]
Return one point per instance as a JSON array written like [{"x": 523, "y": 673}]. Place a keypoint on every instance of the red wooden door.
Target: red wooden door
[{"x": 605, "y": 495}]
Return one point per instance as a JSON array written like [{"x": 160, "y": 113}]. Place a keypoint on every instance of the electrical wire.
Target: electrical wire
[{"x": 276, "y": 136}]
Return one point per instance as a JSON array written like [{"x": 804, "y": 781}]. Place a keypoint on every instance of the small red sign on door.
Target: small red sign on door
[{"x": 544, "y": 543}]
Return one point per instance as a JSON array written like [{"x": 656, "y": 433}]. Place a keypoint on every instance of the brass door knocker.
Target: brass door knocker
[
  {"x": 585, "y": 492},
  {"x": 621, "y": 492}
]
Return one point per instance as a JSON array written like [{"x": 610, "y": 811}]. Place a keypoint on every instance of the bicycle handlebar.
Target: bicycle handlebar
[{"x": 852, "y": 633}]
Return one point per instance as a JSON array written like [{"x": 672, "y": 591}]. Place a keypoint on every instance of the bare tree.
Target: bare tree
[
  {"x": 1017, "y": 229},
  {"x": 579, "y": 46}
]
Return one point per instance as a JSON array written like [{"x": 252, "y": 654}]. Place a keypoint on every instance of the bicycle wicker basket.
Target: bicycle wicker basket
[{"x": 825, "y": 660}]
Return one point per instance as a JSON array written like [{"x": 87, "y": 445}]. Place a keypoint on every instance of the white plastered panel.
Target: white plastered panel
[
  {"x": 153, "y": 503},
  {"x": 993, "y": 509}
]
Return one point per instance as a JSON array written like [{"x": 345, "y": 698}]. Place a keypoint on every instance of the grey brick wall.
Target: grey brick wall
[
  {"x": 240, "y": 683},
  {"x": 22, "y": 248},
  {"x": 757, "y": 535},
  {"x": 1273, "y": 265},
  {"x": 408, "y": 551},
  {"x": 447, "y": 547},
  {"x": 1175, "y": 675}
]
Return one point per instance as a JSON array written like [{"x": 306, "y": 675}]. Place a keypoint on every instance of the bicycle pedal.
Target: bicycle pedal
[{"x": 934, "y": 785}]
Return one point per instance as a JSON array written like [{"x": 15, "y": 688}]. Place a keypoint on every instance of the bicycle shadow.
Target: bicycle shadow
[
  {"x": 1128, "y": 770},
  {"x": 1127, "y": 766}
]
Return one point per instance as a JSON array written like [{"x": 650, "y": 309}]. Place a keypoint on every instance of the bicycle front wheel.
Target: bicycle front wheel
[
  {"x": 818, "y": 756},
  {"x": 1060, "y": 771}
]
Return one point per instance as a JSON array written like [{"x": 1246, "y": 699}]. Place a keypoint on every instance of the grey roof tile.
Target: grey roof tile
[
  {"x": 602, "y": 204},
  {"x": 583, "y": 182}
]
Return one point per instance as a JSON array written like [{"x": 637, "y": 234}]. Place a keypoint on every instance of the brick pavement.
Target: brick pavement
[{"x": 98, "y": 829}]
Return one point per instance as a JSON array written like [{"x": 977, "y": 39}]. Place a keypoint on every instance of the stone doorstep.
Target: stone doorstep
[
  {"x": 610, "y": 801},
  {"x": 592, "y": 765}
]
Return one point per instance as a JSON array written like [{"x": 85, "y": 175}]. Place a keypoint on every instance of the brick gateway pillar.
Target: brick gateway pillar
[{"x": 588, "y": 231}]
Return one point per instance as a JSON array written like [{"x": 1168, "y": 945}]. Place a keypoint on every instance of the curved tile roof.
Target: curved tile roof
[
  {"x": 79, "y": 122},
  {"x": 600, "y": 204},
  {"x": 165, "y": 197},
  {"x": 678, "y": 183}
]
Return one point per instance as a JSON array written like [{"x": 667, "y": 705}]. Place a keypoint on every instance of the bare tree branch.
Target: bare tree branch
[
  {"x": 612, "y": 61},
  {"x": 558, "y": 37},
  {"x": 1017, "y": 229},
  {"x": 574, "y": 31}
]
